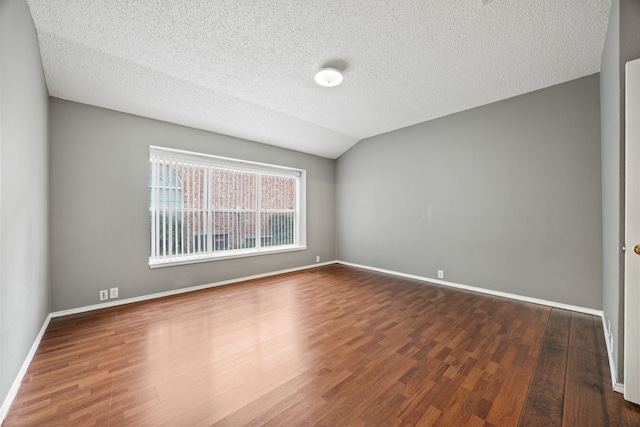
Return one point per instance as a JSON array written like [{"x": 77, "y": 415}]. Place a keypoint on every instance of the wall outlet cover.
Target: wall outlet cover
[
  {"x": 104, "y": 295},
  {"x": 113, "y": 293}
]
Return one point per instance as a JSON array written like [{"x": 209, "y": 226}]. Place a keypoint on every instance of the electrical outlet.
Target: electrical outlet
[
  {"x": 440, "y": 274},
  {"x": 318, "y": 258},
  {"x": 113, "y": 293},
  {"x": 104, "y": 295}
]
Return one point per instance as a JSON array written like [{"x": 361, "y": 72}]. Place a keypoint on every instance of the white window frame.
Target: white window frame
[{"x": 208, "y": 160}]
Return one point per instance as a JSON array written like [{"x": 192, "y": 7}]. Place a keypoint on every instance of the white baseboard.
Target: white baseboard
[
  {"x": 481, "y": 290},
  {"x": 306, "y": 267},
  {"x": 13, "y": 391},
  {"x": 619, "y": 387},
  {"x": 181, "y": 290}
]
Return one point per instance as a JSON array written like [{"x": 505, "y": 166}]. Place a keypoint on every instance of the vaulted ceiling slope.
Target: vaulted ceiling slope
[{"x": 246, "y": 67}]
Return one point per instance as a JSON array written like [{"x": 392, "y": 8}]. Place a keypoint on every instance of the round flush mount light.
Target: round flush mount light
[{"x": 328, "y": 77}]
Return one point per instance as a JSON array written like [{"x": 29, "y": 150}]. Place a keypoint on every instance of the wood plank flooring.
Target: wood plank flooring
[{"x": 332, "y": 346}]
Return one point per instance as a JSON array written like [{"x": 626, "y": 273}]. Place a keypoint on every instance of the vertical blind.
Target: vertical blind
[{"x": 205, "y": 207}]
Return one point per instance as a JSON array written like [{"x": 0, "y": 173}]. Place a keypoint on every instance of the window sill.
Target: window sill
[{"x": 222, "y": 256}]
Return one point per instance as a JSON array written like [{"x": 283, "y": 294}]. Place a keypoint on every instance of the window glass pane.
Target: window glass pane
[
  {"x": 166, "y": 191},
  {"x": 194, "y": 188},
  {"x": 197, "y": 231},
  {"x": 233, "y": 190},
  {"x": 170, "y": 234},
  {"x": 277, "y": 192},
  {"x": 245, "y": 230},
  {"x": 277, "y": 228}
]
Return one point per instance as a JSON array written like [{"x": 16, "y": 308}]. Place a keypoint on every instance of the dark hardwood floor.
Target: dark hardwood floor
[{"x": 334, "y": 346}]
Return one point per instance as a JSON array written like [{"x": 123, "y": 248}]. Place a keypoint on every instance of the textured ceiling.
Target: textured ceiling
[{"x": 245, "y": 67}]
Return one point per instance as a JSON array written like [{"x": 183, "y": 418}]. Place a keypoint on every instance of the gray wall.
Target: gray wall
[
  {"x": 621, "y": 45},
  {"x": 24, "y": 256},
  {"x": 629, "y": 33},
  {"x": 504, "y": 197},
  {"x": 612, "y": 200},
  {"x": 99, "y": 205}
]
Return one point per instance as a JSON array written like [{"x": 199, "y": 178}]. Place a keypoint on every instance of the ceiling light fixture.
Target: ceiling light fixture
[{"x": 328, "y": 77}]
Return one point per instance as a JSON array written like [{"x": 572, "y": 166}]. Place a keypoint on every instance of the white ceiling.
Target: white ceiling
[{"x": 245, "y": 67}]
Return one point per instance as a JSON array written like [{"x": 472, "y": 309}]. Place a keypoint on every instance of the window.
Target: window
[{"x": 205, "y": 207}]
